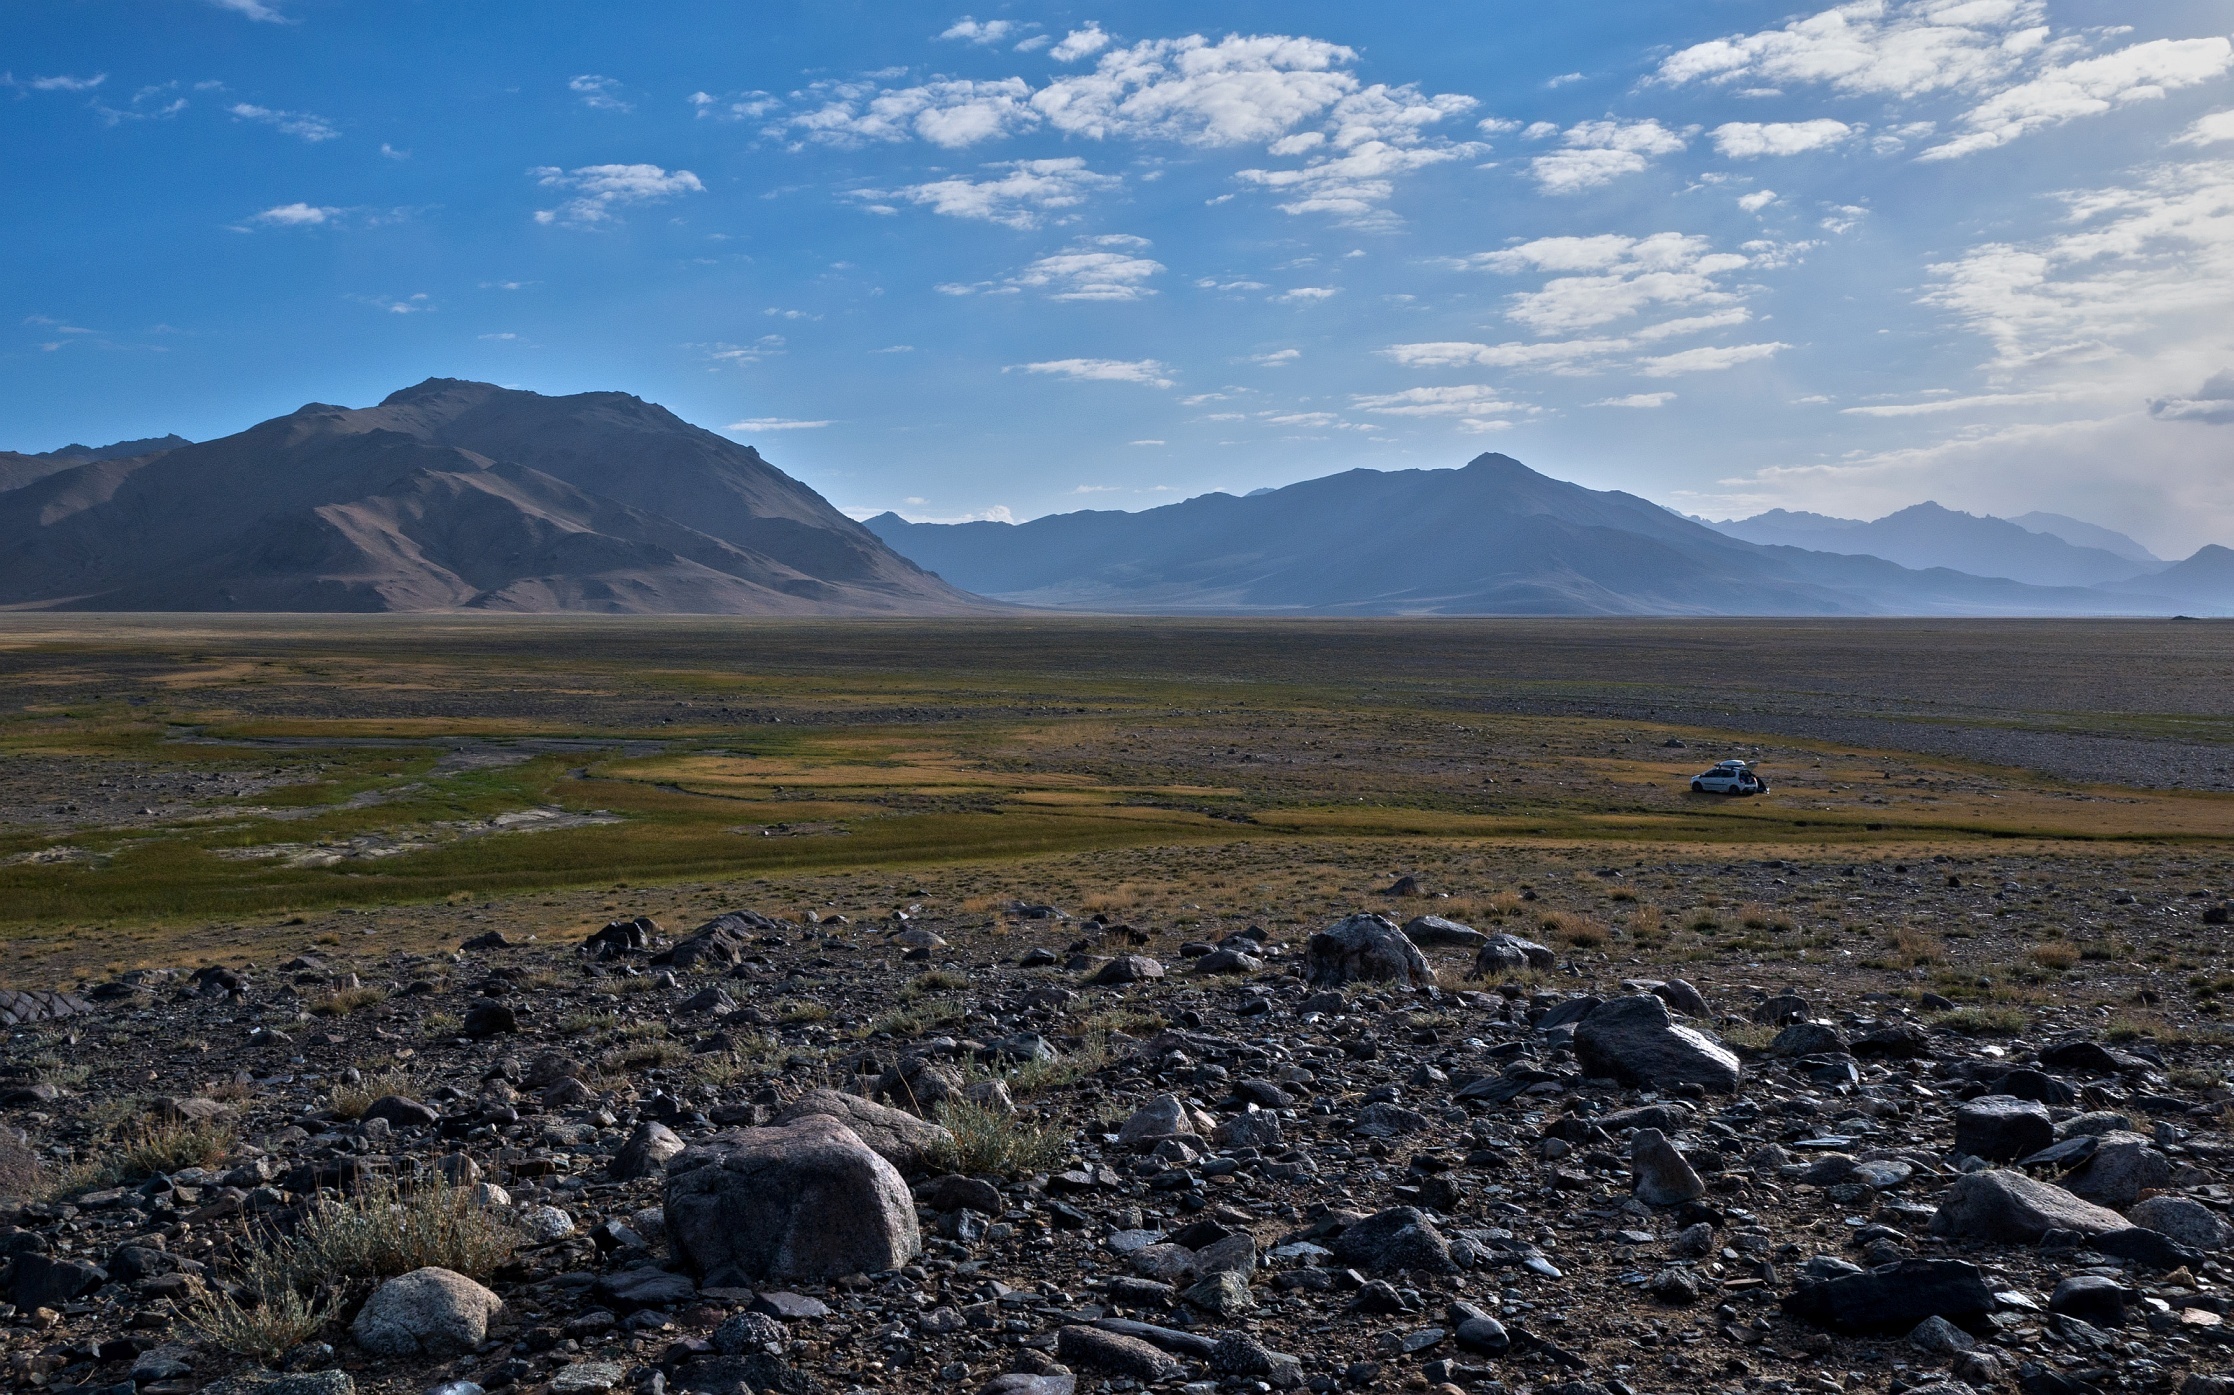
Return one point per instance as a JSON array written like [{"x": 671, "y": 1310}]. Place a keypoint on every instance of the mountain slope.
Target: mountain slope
[
  {"x": 1927, "y": 535},
  {"x": 1493, "y": 538},
  {"x": 452, "y": 495},
  {"x": 18, "y": 470},
  {"x": 2080, "y": 533},
  {"x": 2204, "y": 583}
]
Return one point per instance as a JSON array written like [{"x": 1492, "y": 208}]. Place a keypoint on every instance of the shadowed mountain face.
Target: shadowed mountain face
[
  {"x": 1494, "y": 538},
  {"x": 17, "y": 470},
  {"x": 452, "y": 495},
  {"x": 1928, "y": 535}
]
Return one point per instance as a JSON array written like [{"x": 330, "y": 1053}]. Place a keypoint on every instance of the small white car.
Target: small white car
[{"x": 1729, "y": 777}]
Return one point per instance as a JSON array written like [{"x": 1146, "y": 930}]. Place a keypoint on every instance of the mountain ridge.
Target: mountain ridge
[{"x": 452, "y": 494}]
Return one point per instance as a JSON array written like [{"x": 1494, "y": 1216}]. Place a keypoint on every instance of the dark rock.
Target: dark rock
[
  {"x": 1510, "y": 954},
  {"x": 2002, "y": 1128},
  {"x": 487, "y": 1017},
  {"x": 1894, "y": 1297},
  {"x": 1398, "y": 1238},
  {"x": 647, "y": 1150},
  {"x": 1632, "y": 1040},
  {"x": 402, "y": 1112},
  {"x": 39, "y": 1281},
  {"x": 2123, "y": 1166},
  {"x": 1425, "y": 930},
  {"x": 805, "y": 1200},
  {"x": 2010, "y": 1206},
  {"x": 898, "y": 1137},
  {"x": 1809, "y": 1039},
  {"x": 1364, "y": 948},
  {"x": 1118, "y": 1355},
  {"x": 622, "y": 937},
  {"x": 954, "y": 1192},
  {"x": 721, "y": 943},
  {"x": 1897, "y": 1041},
  {"x": 1663, "y": 1177},
  {"x": 2092, "y": 1298},
  {"x": 1126, "y": 968},
  {"x": 18, "y": 1008},
  {"x": 632, "y": 1289}
]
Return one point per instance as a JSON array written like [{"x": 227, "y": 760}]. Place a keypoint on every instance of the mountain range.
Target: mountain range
[
  {"x": 456, "y": 495},
  {"x": 1494, "y": 538},
  {"x": 2051, "y": 551},
  {"x": 449, "y": 495}
]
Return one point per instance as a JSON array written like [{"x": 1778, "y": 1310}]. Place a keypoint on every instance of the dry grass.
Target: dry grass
[
  {"x": 347, "y": 1000},
  {"x": 297, "y": 1283},
  {"x": 1983, "y": 1022},
  {"x": 2056, "y": 955},
  {"x": 1915, "y": 948},
  {"x": 1576, "y": 930},
  {"x": 351, "y": 1101},
  {"x": 1754, "y": 916},
  {"x": 935, "y": 981},
  {"x": 989, "y": 1142},
  {"x": 1646, "y": 923}
]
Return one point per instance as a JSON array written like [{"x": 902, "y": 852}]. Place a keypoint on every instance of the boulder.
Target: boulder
[
  {"x": 2010, "y": 1206},
  {"x": 1165, "y": 1116},
  {"x": 721, "y": 943},
  {"x": 401, "y": 1111},
  {"x": 2002, "y": 1128},
  {"x": 2123, "y": 1166},
  {"x": 2092, "y": 1298},
  {"x": 1809, "y": 1039},
  {"x": 954, "y": 1192},
  {"x": 1894, "y": 1297},
  {"x": 486, "y": 1017},
  {"x": 427, "y": 1312},
  {"x": 1510, "y": 954},
  {"x": 1781, "y": 1008},
  {"x": 1228, "y": 961},
  {"x": 2186, "y": 1220},
  {"x": 1398, "y": 1238},
  {"x": 918, "y": 1084},
  {"x": 1114, "y": 1353},
  {"x": 1663, "y": 1177},
  {"x": 1632, "y": 1040},
  {"x": 900, "y": 1138},
  {"x": 1678, "y": 994},
  {"x": 41, "y": 1281},
  {"x": 1364, "y": 948},
  {"x": 647, "y": 1150},
  {"x": 1124, "y": 969},
  {"x": 1425, "y": 930},
  {"x": 806, "y": 1200}
]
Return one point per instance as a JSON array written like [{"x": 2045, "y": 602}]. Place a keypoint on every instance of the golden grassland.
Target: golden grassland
[{"x": 715, "y": 752}]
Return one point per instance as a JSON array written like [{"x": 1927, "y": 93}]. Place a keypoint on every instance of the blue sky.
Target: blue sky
[{"x": 1026, "y": 258}]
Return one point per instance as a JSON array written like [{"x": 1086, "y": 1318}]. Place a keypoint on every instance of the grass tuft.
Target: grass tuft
[
  {"x": 347, "y": 1000},
  {"x": 989, "y": 1142}
]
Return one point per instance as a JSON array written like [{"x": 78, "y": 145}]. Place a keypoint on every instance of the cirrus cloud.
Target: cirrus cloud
[{"x": 1145, "y": 371}]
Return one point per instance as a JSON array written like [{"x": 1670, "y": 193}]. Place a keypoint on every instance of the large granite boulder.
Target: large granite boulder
[
  {"x": 901, "y": 1139},
  {"x": 2010, "y": 1206},
  {"x": 427, "y": 1312},
  {"x": 1364, "y": 948},
  {"x": 804, "y": 1201}
]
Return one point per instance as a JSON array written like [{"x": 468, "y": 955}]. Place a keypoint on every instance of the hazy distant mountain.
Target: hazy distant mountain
[
  {"x": 1494, "y": 538},
  {"x": 452, "y": 495},
  {"x": 2080, "y": 533},
  {"x": 1927, "y": 535},
  {"x": 17, "y": 470},
  {"x": 2203, "y": 584}
]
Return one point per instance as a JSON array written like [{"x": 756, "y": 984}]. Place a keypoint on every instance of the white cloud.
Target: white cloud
[
  {"x": 600, "y": 188},
  {"x": 989, "y": 31},
  {"x": 1145, "y": 371},
  {"x": 417, "y": 304},
  {"x": 598, "y": 93},
  {"x": 1707, "y": 360},
  {"x": 742, "y": 355},
  {"x": 1625, "y": 275},
  {"x": 297, "y": 215},
  {"x": 60, "y": 82},
  {"x": 1637, "y": 399},
  {"x": 1938, "y": 405},
  {"x": 1278, "y": 358},
  {"x": 758, "y": 424},
  {"x": 2088, "y": 87},
  {"x": 1599, "y": 152},
  {"x": 1469, "y": 400},
  {"x": 1101, "y": 268},
  {"x": 1746, "y": 140},
  {"x": 1757, "y": 200},
  {"x": 1353, "y": 185},
  {"x": 294, "y": 123},
  {"x": 2213, "y": 403},
  {"x": 2213, "y": 129},
  {"x": 2140, "y": 268},
  {"x": 1239, "y": 90},
  {"x": 953, "y": 113},
  {"x": 1080, "y": 43},
  {"x": 253, "y": 9},
  {"x": 1875, "y": 48},
  {"x": 1308, "y": 295},
  {"x": 1020, "y": 196},
  {"x": 1149, "y": 441}
]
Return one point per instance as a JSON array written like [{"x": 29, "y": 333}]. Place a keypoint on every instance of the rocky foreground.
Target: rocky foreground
[{"x": 774, "y": 1156}]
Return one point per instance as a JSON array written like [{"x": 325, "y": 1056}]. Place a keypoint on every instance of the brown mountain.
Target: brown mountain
[
  {"x": 452, "y": 495},
  {"x": 18, "y": 470}
]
